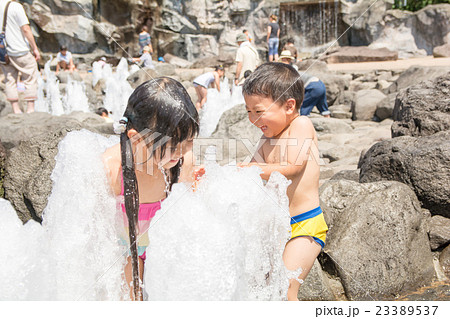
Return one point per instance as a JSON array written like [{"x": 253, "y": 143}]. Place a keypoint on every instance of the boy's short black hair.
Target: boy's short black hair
[{"x": 278, "y": 81}]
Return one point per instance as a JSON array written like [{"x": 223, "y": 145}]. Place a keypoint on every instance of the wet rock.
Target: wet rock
[
  {"x": 376, "y": 231},
  {"x": 27, "y": 181},
  {"x": 365, "y": 104},
  {"x": 423, "y": 109},
  {"x": 234, "y": 127},
  {"x": 410, "y": 160},
  {"x": 141, "y": 76},
  {"x": 439, "y": 232}
]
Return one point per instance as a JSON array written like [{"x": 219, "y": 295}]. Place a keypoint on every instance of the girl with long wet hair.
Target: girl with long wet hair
[{"x": 156, "y": 134}]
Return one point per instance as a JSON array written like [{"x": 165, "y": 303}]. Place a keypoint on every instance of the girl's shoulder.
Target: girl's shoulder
[{"x": 112, "y": 161}]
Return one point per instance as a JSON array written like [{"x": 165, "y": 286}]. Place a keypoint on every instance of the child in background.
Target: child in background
[
  {"x": 145, "y": 40},
  {"x": 145, "y": 59},
  {"x": 64, "y": 60},
  {"x": 248, "y": 35},
  {"x": 203, "y": 81},
  {"x": 104, "y": 114},
  {"x": 291, "y": 47},
  {"x": 139, "y": 170},
  {"x": 273, "y": 94}
]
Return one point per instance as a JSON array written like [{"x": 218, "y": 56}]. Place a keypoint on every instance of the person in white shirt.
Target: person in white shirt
[
  {"x": 247, "y": 58},
  {"x": 65, "y": 60},
  {"x": 20, "y": 40},
  {"x": 145, "y": 59},
  {"x": 203, "y": 81}
]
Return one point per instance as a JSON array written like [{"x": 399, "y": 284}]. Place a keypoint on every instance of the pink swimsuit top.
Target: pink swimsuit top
[{"x": 146, "y": 212}]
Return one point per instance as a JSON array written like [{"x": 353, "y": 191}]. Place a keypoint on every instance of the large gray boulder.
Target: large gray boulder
[
  {"x": 423, "y": 109},
  {"x": 316, "y": 286},
  {"x": 15, "y": 128},
  {"x": 365, "y": 104},
  {"x": 422, "y": 163},
  {"x": 415, "y": 74},
  {"x": 377, "y": 240},
  {"x": 141, "y": 76},
  {"x": 236, "y": 138},
  {"x": 442, "y": 51},
  {"x": 385, "y": 107},
  {"x": 28, "y": 169},
  {"x": 444, "y": 260}
]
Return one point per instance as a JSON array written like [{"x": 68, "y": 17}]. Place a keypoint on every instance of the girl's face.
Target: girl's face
[{"x": 174, "y": 153}]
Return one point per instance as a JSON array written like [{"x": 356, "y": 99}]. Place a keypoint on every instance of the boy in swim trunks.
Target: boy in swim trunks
[{"x": 273, "y": 95}]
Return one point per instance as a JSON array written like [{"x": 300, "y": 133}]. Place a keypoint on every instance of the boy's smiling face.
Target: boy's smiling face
[{"x": 272, "y": 118}]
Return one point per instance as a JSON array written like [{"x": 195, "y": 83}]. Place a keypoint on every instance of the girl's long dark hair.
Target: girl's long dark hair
[{"x": 160, "y": 106}]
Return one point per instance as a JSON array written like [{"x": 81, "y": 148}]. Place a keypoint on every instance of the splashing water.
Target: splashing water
[
  {"x": 118, "y": 90},
  {"x": 216, "y": 104},
  {"x": 52, "y": 102},
  {"x": 75, "y": 98},
  {"x": 223, "y": 241}
]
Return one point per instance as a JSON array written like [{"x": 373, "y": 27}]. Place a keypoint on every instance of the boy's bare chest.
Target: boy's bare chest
[{"x": 276, "y": 151}]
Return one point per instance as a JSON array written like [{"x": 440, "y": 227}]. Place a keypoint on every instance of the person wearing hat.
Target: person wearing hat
[
  {"x": 64, "y": 60},
  {"x": 315, "y": 90},
  {"x": 247, "y": 58},
  {"x": 286, "y": 57},
  {"x": 145, "y": 59}
]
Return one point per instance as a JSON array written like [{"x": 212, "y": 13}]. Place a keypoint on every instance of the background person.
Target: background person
[
  {"x": 315, "y": 91},
  {"x": 248, "y": 35},
  {"x": 291, "y": 47},
  {"x": 64, "y": 60},
  {"x": 273, "y": 38},
  {"x": 202, "y": 83},
  {"x": 145, "y": 59},
  {"x": 20, "y": 39},
  {"x": 145, "y": 40},
  {"x": 247, "y": 58}
]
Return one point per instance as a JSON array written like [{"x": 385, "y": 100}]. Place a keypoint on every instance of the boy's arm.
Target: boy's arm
[{"x": 295, "y": 150}]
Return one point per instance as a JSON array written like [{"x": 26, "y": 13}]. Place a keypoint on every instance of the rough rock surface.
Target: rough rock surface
[
  {"x": 414, "y": 74},
  {"x": 423, "y": 109},
  {"x": 376, "y": 230},
  {"x": 444, "y": 260},
  {"x": 28, "y": 169},
  {"x": 15, "y": 128},
  {"x": 421, "y": 163},
  {"x": 316, "y": 286},
  {"x": 234, "y": 125},
  {"x": 365, "y": 104},
  {"x": 442, "y": 51},
  {"x": 439, "y": 232},
  {"x": 360, "y": 54}
]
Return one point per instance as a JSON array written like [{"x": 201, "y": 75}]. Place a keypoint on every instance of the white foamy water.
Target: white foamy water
[
  {"x": 53, "y": 102},
  {"x": 222, "y": 242},
  {"x": 118, "y": 90},
  {"x": 216, "y": 104}
]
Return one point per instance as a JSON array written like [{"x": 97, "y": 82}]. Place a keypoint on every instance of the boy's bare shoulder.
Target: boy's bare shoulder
[{"x": 302, "y": 125}]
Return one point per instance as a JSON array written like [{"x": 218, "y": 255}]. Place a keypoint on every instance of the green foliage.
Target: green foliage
[{"x": 415, "y": 5}]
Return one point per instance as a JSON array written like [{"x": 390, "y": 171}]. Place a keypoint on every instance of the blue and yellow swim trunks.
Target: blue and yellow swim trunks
[{"x": 311, "y": 223}]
